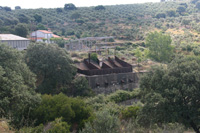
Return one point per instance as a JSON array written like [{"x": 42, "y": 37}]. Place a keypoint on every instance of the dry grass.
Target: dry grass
[
  {"x": 4, "y": 127},
  {"x": 158, "y": 30},
  {"x": 175, "y": 31}
]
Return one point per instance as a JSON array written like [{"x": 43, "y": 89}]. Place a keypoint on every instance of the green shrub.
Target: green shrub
[
  {"x": 111, "y": 40},
  {"x": 130, "y": 112},
  {"x": 105, "y": 122},
  {"x": 76, "y": 61},
  {"x": 94, "y": 57},
  {"x": 74, "y": 54},
  {"x": 58, "y": 126},
  {"x": 37, "y": 129},
  {"x": 96, "y": 102},
  {"x": 161, "y": 15},
  {"x": 196, "y": 51},
  {"x": 189, "y": 48},
  {"x": 81, "y": 87},
  {"x": 72, "y": 110},
  {"x": 121, "y": 95},
  {"x": 120, "y": 48},
  {"x": 171, "y": 13}
]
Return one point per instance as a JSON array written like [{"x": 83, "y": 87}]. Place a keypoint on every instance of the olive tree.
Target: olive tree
[{"x": 160, "y": 48}]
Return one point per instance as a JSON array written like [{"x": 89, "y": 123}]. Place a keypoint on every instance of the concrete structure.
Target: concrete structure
[
  {"x": 14, "y": 41},
  {"x": 85, "y": 44},
  {"x": 43, "y": 35},
  {"x": 76, "y": 45}
]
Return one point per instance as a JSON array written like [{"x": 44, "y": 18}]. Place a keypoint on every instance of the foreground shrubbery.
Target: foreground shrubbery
[
  {"x": 172, "y": 93},
  {"x": 72, "y": 110},
  {"x": 105, "y": 122},
  {"x": 121, "y": 95},
  {"x": 57, "y": 126},
  {"x": 19, "y": 102},
  {"x": 169, "y": 94},
  {"x": 115, "y": 118}
]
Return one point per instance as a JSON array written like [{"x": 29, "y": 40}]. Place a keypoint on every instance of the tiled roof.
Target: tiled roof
[
  {"x": 56, "y": 36},
  {"x": 11, "y": 37},
  {"x": 45, "y": 31}
]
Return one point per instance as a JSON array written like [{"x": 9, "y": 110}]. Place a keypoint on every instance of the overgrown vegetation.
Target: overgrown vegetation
[
  {"x": 171, "y": 93},
  {"x": 40, "y": 92}
]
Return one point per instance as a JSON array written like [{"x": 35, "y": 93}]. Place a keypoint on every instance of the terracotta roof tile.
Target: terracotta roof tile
[
  {"x": 45, "y": 31},
  {"x": 56, "y": 36}
]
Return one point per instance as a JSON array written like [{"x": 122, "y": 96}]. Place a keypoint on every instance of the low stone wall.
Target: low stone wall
[{"x": 112, "y": 82}]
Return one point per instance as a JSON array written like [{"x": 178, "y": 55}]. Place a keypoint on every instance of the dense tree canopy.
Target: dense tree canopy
[
  {"x": 59, "y": 10},
  {"x": 17, "y": 84},
  {"x": 160, "y": 15},
  {"x": 75, "y": 15},
  {"x": 17, "y": 7},
  {"x": 52, "y": 65},
  {"x": 21, "y": 30},
  {"x": 100, "y": 7},
  {"x": 171, "y": 13},
  {"x": 38, "y": 18},
  {"x": 181, "y": 9},
  {"x": 171, "y": 93},
  {"x": 160, "y": 48},
  {"x": 23, "y": 18},
  {"x": 7, "y": 8},
  {"x": 70, "y": 6}
]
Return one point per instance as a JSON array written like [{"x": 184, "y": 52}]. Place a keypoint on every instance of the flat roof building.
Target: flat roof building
[{"x": 15, "y": 41}]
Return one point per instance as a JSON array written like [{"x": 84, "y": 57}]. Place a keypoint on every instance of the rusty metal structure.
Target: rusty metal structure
[
  {"x": 108, "y": 74},
  {"x": 108, "y": 66}
]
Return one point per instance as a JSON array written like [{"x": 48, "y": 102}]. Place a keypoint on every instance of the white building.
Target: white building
[
  {"x": 14, "y": 41},
  {"x": 43, "y": 36}
]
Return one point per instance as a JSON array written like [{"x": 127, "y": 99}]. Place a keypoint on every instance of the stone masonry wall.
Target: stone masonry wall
[{"x": 112, "y": 82}]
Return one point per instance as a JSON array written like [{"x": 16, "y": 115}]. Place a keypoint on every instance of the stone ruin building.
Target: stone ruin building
[
  {"x": 85, "y": 44},
  {"x": 108, "y": 75}
]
